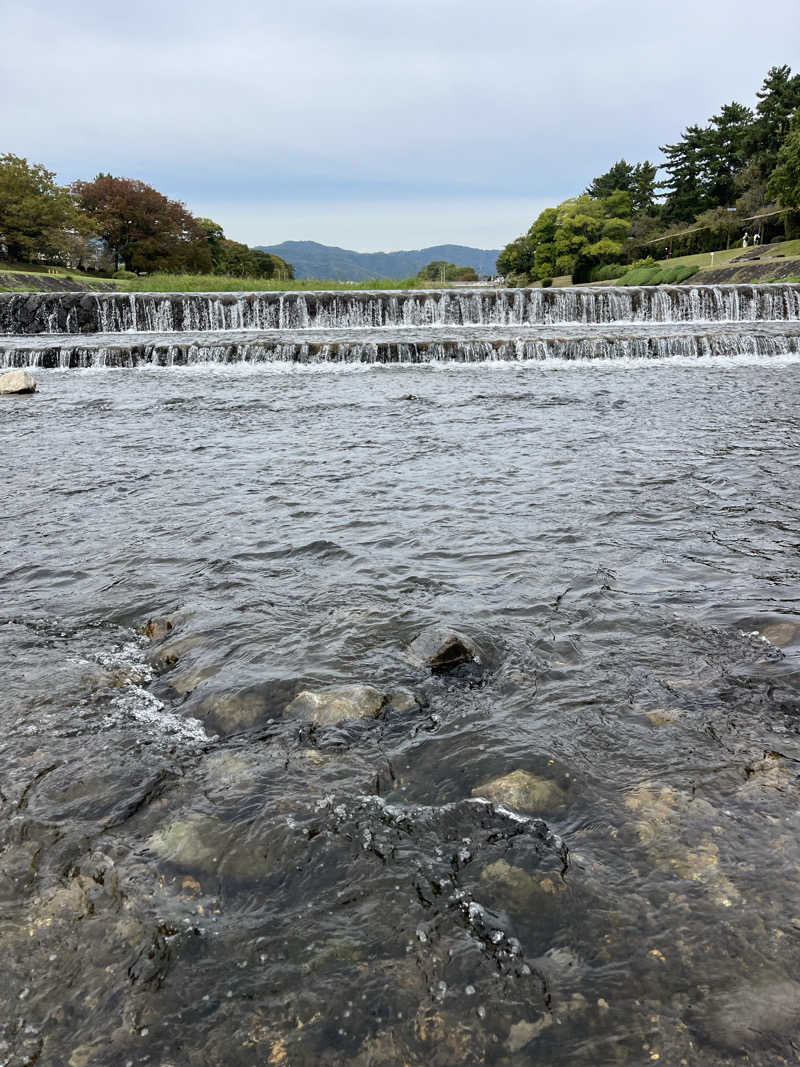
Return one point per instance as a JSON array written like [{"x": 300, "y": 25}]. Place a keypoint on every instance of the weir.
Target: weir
[
  {"x": 166, "y": 329},
  {"x": 87, "y": 313},
  {"x": 461, "y": 345}
]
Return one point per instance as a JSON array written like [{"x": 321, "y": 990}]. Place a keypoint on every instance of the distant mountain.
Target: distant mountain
[{"x": 312, "y": 260}]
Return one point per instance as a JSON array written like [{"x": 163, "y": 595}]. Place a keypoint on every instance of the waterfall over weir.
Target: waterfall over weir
[
  {"x": 84, "y": 313},
  {"x": 178, "y": 351},
  {"x": 123, "y": 330}
]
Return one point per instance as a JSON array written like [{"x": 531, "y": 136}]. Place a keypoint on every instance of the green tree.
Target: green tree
[
  {"x": 643, "y": 190},
  {"x": 619, "y": 176},
  {"x": 784, "y": 184},
  {"x": 440, "y": 269},
  {"x": 517, "y": 259},
  {"x": 725, "y": 153},
  {"x": 38, "y": 219},
  {"x": 591, "y": 231},
  {"x": 639, "y": 181},
  {"x": 215, "y": 237},
  {"x": 778, "y": 99},
  {"x": 580, "y": 233},
  {"x": 685, "y": 166}
]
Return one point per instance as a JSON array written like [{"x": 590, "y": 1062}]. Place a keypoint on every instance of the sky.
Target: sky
[{"x": 373, "y": 124}]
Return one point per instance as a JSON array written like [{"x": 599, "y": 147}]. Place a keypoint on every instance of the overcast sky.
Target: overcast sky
[{"x": 373, "y": 124}]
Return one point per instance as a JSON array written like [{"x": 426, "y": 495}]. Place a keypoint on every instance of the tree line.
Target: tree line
[
  {"x": 110, "y": 224},
  {"x": 738, "y": 171}
]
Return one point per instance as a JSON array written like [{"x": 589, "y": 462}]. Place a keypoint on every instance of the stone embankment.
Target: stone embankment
[{"x": 13, "y": 282}]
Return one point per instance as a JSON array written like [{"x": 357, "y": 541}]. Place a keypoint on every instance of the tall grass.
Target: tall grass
[{"x": 217, "y": 283}]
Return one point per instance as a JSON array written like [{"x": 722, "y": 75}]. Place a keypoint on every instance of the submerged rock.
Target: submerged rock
[
  {"x": 17, "y": 382},
  {"x": 337, "y": 703},
  {"x": 168, "y": 655},
  {"x": 401, "y": 700},
  {"x": 208, "y": 845},
  {"x": 522, "y": 791},
  {"x": 157, "y": 629},
  {"x": 227, "y": 713},
  {"x": 441, "y": 650},
  {"x": 751, "y": 1015},
  {"x": 516, "y": 886},
  {"x": 781, "y": 634}
]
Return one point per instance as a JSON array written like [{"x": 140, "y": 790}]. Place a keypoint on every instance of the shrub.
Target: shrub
[
  {"x": 640, "y": 276},
  {"x": 124, "y": 274},
  {"x": 654, "y": 275},
  {"x": 546, "y": 283},
  {"x": 607, "y": 272},
  {"x": 683, "y": 271}
]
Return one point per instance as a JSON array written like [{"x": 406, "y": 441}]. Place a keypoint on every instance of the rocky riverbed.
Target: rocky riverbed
[{"x": 373, "y": 715}]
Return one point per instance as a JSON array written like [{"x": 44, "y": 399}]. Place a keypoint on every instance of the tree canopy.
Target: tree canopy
[
  {"x": 142, "y": 227},
  {"x": 123, "y": 219},
  {"x": 716, "y": 178},
  {"x": 440, "y": 269},
  {"x": 37, "y": 217},
  {"x": 579, "y": 233},
  {"x": 784, "y": 184}
]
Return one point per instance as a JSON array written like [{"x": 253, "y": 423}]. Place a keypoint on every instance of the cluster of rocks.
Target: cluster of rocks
[{"x": 437, "y": 650}]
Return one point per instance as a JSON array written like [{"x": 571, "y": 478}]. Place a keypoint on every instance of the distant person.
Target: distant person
[
  {"x": 756, "y": 238},
  {"x": 745, "y": 239}
]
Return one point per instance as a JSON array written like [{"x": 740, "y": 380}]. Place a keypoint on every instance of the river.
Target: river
[{"x": 581, "y": 847}]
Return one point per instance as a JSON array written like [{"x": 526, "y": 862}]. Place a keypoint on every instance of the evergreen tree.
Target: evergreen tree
[
  {"x": 785, "y": 181},
  {"x": 685, "y": 187},
  {"x": 724, "y": 153},
  {"x": 778, "y": 99}
]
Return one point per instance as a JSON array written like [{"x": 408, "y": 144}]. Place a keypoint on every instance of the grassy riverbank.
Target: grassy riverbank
[
  {"x": 777, "y": 262},
  {"x": 21, "y": 280},
  {"x": 217, "y": 283}
]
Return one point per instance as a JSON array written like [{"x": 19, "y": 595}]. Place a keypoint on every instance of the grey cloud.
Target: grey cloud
[{"x": 515, "y": 99}]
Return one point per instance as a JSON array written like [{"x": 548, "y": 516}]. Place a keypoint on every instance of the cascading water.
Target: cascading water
[
  {"x": 168, "y": 312},
  {"x": 126, "y": 329}
]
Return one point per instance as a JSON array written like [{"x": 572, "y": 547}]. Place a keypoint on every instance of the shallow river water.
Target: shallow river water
[{"x": 190, "y": 875}]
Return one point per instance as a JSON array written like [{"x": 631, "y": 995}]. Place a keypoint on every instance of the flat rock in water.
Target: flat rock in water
[
  {"x": 337, "y": 703},
  {"x": 522, "y": 791},
  {"x": 440, "y": 649},
  {"x": 17, "y": 381}
]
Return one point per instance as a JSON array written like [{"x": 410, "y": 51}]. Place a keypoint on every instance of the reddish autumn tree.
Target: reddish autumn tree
[{"x": 143, "y": 228}]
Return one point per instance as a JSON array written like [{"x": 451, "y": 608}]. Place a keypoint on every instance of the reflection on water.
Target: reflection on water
[{"x": 578, "y": 846}]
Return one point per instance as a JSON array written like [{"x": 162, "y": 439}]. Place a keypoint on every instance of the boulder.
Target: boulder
[
  {"x": 17, "y": 381},
  {"x": 522, "y": 791},
  {"x": 337, "y": 703},
  {"x": 441, "y": 650}
]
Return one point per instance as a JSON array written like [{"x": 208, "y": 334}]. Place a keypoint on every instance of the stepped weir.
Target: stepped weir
[{"x": 119, "y": 329}]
